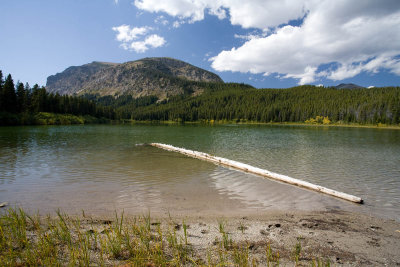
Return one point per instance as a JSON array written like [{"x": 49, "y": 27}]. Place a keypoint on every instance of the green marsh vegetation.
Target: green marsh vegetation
[{"x": 34, "y": 240}]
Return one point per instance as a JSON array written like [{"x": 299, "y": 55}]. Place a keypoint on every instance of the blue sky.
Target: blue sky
[{"x": 268, "y": 44}]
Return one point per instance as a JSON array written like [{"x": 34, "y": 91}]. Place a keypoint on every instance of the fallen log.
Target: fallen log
[{"x": 265, "y": 173}]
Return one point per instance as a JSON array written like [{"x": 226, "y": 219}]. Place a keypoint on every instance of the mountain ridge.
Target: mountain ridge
[
  {"x": 160, "y": 76},
  {"x": 348, "y": 86}
]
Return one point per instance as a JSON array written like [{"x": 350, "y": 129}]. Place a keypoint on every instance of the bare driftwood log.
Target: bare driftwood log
[{"x": 265, "y": 173}]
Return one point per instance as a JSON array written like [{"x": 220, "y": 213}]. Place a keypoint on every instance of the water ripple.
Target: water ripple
[{"x": 106, "y": 167}]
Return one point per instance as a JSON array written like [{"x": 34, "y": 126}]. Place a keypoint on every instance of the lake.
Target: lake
[{"x": 105, "y": 168}]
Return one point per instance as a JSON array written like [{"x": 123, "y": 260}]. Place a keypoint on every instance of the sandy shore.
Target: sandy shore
[{"x": 343, "y": 238}]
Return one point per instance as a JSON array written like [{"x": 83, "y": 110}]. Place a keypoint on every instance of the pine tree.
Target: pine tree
[
  {"x": 21, "y": 97},
  {"x": 1, "y": 90},
  {"x": 1, "y": 80},
  {"x": 9, "y": 98}
]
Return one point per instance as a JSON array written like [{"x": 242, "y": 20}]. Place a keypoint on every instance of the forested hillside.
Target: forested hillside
[{"x": 238, "y": 102}]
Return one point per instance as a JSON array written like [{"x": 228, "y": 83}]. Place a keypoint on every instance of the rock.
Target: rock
[
  {"x": 374, "y": 228},
  {"x": 162, "y": 77},
  {"x": 3, "y": 204}
]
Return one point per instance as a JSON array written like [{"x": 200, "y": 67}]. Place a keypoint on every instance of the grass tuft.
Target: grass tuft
[{"x": 64, "y": 241}]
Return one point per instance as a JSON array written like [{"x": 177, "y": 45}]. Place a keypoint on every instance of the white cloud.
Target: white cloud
[
  {"x": 249, "y": 36},
  {"x": 372, "y": 66},
  {"x": 129, "y": 38},
  {"x": 355, "y": 37},
  {"x": 244, "y": 13},
  {"x": 183, "y": 9},
  {"x": 153, "y": 40},
  {"x": 177, "y": 24},
  {"x": 126, "y": 34},
  {"x": 307, "y": 77},
  {"x": 264, "y": 14},
  {"x": 345, "y": 71},
  {"x": 161, "y": 20},
  {"x": 138, "y": 47}
]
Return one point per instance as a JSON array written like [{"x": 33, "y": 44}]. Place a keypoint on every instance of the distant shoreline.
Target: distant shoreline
[
  {"x": 46, "y": 118},
  {"x": 354, "y": 125}
]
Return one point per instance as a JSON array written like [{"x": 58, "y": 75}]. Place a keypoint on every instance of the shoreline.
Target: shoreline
[
  {"x": 299, "y": 237},
  {"x": 355, "y": 125},
  {"x": 57, "y": 119},
  {"x": 345, "y": 238}
]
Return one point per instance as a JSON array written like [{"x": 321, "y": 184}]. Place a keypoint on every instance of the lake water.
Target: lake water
[{"x": 103, "y": 168}]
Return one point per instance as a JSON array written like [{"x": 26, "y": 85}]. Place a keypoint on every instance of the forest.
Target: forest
[
  {"x": 223, "y": 102},
  {"x": 243, "y": 103},
  {"x": 22, "y": 105}
]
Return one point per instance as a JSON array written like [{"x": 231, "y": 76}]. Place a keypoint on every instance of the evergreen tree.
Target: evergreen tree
[
  {"x": 21, "y": 97},
  {"x": 1, "y": 90},
  {"x": 9, "y": 98},
  {"x": 1, "y": 80}
]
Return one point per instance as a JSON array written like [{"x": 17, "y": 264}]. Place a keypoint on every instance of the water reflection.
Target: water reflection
[
  {"x": 258, "y": 192},
  {"x": 101, "y": 168}
]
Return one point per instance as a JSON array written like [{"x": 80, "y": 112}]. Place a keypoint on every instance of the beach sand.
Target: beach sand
[{"x": 343, "y": 238}]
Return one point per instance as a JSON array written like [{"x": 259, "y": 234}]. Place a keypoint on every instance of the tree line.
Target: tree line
[
  {"x": 240, "y": 102},
  {"x": 219, "y": 102},
  {"x": 25, "y": 100}
]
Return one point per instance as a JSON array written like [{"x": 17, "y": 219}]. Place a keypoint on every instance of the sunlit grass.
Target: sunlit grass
[{"x": 65, "y": 241}]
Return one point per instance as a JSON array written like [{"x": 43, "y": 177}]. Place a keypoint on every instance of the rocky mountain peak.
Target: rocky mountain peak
[{"x": 160, "y": 76}]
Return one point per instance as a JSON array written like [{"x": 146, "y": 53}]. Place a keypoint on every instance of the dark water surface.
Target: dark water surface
[{"x": 102, "y": 168}]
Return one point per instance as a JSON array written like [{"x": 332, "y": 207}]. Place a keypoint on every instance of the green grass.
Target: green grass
[
  {"x": 65, "y": 241},
  {"x": 47, "y": 118}
]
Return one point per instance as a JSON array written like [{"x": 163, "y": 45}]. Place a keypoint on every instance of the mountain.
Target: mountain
[
  {"x": 162, "y": 77},
  {"x": 348, "y": 86},
  {"x": 72, "y": 78}
]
